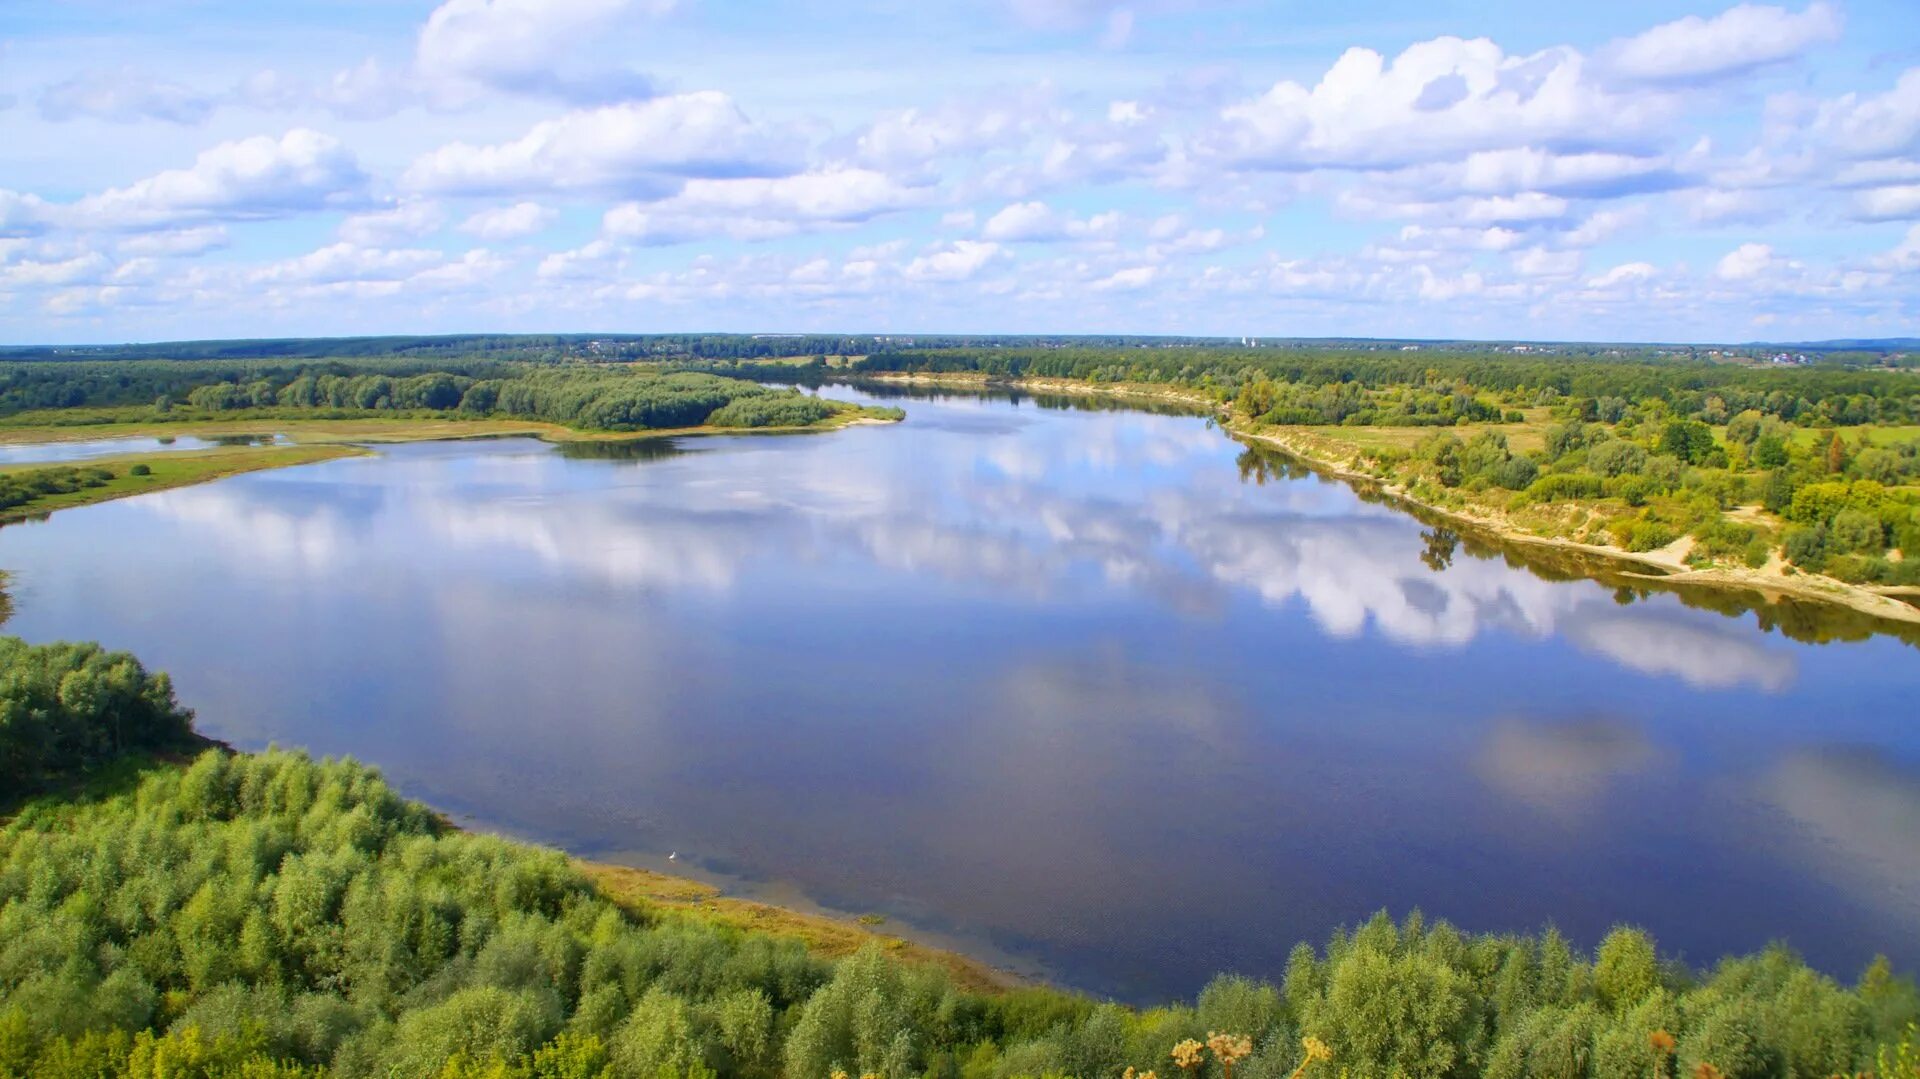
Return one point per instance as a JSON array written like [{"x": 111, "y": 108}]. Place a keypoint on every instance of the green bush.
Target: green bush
[{"x": 67, "y": 708}]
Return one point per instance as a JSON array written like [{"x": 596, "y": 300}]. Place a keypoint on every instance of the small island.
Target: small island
[{"x": 335, "y": 410}]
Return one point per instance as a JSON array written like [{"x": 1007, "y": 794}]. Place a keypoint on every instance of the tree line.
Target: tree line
[{"x": 624, "y": 398}]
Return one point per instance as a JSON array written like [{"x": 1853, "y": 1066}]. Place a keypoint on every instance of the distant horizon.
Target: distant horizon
[
  {"x": 1225, "y": 340},
  {"x": 1682, "y": 171}
]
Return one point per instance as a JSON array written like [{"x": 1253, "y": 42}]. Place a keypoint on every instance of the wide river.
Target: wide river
[{"x": 1086, "y": 690}]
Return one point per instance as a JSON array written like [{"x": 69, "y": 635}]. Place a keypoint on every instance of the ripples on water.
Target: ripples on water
[{"x": 1099, "y": 688}]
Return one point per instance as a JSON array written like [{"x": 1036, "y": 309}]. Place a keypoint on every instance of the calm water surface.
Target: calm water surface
[
  {"x": 54, "y": 452},
  {"x": 1065, "y": 684}
]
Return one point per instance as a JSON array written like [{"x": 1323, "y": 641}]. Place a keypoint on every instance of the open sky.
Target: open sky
[{"x": 1633, "y": 170}]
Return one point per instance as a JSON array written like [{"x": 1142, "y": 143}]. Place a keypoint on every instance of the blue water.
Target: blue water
[
  {"x": 1069, "y": 686},
  {"x": 62, "y": 452}
]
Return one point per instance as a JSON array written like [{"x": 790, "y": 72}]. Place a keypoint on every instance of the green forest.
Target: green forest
[
  {"x": 172, "y": 912},
  {"x": 604, "y": 398}
]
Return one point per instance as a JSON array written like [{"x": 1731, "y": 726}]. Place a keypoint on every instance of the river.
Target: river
[{"x": 1099, "y": 693}]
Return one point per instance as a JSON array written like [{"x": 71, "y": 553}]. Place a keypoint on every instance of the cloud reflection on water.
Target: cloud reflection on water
[{"x": 1186, "y": 537}]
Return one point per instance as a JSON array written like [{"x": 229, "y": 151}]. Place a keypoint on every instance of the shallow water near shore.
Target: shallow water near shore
[{"x": 1105, "y": 689}]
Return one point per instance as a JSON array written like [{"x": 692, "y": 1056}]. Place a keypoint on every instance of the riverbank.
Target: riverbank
[
  {"x": 375, "y": 430},
  {"x": 1666, "y": 567},
  {"x": 163, "y": 471},
  {"x": 312, "y": 441},
  {"x": 639, "y": 891}
]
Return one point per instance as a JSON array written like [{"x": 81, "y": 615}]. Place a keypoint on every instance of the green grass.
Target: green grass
[{"x": 167, "y": 470}]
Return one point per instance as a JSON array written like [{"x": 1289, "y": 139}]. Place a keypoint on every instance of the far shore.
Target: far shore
[
  {"x": 1664, "y": 568},
  {"x": 312, "y": 441},
  {"x": 379, "y": 429}
]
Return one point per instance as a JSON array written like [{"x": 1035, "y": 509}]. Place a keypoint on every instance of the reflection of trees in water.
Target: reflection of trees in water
[
  {"x": 623, "y": 449},
  {"x": 1799, "y": 620},
  {"x": 992, "y": 391},
  {"x": 1258, "y": 464},
  {"x": 1439, "y": 545}
]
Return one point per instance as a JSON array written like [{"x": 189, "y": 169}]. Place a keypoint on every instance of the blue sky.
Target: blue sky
[{"x": 1631, "y": 170}]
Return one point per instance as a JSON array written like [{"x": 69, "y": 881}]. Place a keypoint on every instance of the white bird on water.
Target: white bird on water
[{"x": 673, "y": 857}]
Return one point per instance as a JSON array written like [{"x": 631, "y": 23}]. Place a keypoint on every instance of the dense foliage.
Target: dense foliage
[
  {"x": 270, "y": 915},
  {"x": 623, "y": 398},
  {"x": 22, "y": 487},
  {"x": 67, "y": 708},
  {"x": 1335, "y": 386}
]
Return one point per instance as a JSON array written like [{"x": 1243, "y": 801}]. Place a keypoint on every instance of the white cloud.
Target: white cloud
[
  {"x": 1541, "y": 262},
  {"x": 124, "y": 96},
  {"x": 347, "y": 262},
  {"x": 534, "y": 46},
  {"x": 1626, "y": 273},
  {"x": 643, "y": 148},
  {"x": 510, "y": 222},
  {"x": 1739, "y": 39},
  {"x": 177, "y": 242},
  {"x": 763, "y": 207},
  {"x": 1602, "y": 225},
  {"x": 909, "y": 140},
  {"x": 1130, "y": 279},
  {"x": 34, "y": 273},
  {"x": 1526, "y": 206},
  {"x": 1032, "y": 222},
  {"x": 598, "y": 259},
  {"x": 1527, "y": 169},
  {"x": 1875, "y": 125},
  {"x": 21, "y": 214},
  {"x": 408, "y": 220},
  {"x": 1745, "y": 262},
  {"x": 1368, "y": 113},
  {"x": 1905, "y": 256},
  {"x": 957, "y": 261},
  {"x": 1888, "y": 203},
  {"x": 259, "y": 177}
]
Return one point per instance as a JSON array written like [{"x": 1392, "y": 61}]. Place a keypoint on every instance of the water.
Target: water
[
  {"x": 1095, "y": 691},
  {"x": 61, "y": 452}
]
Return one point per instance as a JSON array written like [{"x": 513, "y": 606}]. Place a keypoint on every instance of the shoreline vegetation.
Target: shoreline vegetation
[
  {"x": 1322, "y": 450},
  {"x": 171, "y": 910},
  {"x": 328, "y": 420}
]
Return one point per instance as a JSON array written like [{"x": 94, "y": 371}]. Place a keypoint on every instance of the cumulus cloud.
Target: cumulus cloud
[
  {"x": 1888, "y": 203},
  {"x": 258, "y": 177},
  {"x": 1737, "y": 40},
  {"x": 762, "y": 207},
  {"x": 21, "y": 214},
  {"x": 911, "y": 139},
  {"x": 407, "y": 220},
  {"x": 1034, "y": 222},
  {"x": 347, "y": 262},
  {"x": 1745, "y": 262},
  {"x": 644, "y": 148},
  {"x": 1130, "y": 279},
  {"x": 957, "y": 261},
  {"x": 510, "y": 222},
  {"x": 533, "y": 46},
  {"x": 1367, "y": 112},
  {"x": 1872, "y": 125},
  {"x": 1626, "y": 273}
]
